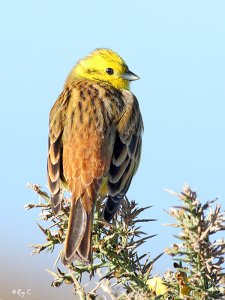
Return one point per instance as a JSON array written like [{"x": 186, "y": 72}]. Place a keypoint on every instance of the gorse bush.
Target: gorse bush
[{"x": 118, "y": 267}]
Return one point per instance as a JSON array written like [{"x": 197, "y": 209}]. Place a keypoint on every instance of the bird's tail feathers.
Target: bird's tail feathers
[{"x": 78, "y": 238}]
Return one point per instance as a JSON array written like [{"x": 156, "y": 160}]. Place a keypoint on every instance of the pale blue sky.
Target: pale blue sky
[{"x": 178, "y": 50}]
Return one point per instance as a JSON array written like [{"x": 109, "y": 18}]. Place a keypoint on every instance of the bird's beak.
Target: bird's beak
[{"x": 128, "y": 75}]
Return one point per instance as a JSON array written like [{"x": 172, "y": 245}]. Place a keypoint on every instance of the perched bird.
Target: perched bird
[{"x": 95, "y": 133}]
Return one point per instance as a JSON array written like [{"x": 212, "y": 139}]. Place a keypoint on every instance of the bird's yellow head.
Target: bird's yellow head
[{"x": 103, "y": 65}]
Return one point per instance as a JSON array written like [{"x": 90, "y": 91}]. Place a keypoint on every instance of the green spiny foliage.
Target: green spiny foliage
[
  {"x": 121, "y": 272},
  {"x": 115, "y": 250},
  {"x": 199, "y": 256}
]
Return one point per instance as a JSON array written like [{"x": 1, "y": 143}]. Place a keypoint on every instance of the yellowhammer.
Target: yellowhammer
[{"x": 94, "y": 137}]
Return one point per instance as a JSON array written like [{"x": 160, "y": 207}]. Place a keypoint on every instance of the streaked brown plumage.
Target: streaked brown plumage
[{"x": 94, "y": 133}]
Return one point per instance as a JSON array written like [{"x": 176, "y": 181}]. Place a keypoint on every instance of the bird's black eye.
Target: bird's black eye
[{"x": 109, "y": 71}]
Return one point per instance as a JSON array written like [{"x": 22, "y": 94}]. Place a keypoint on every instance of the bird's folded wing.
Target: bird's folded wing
[
  {"x": 54, "y": 164},
  {"x": 126, "y": 154}
]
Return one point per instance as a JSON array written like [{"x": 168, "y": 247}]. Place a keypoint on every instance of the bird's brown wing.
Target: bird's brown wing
[
  {"x": 54, "y": 164},
  {"x": 126, "y": 154}
]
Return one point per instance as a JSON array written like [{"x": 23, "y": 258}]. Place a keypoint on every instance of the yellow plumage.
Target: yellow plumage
[{"x": 94, "y": 144}]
